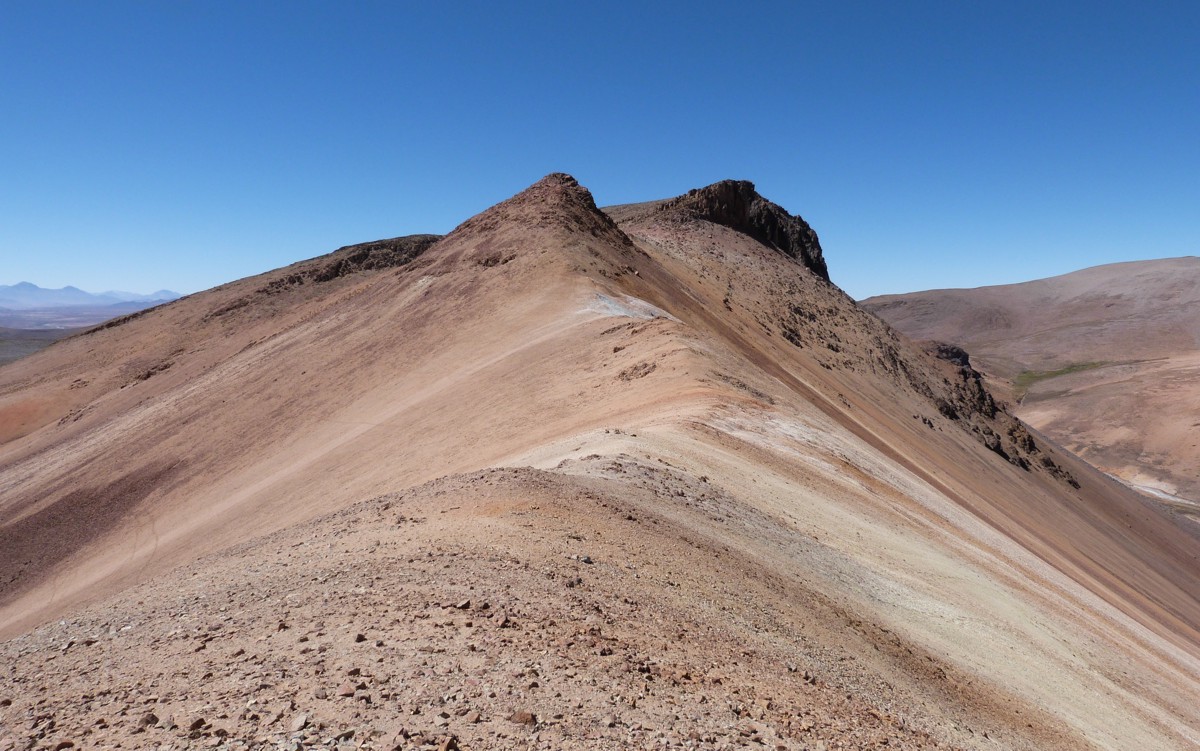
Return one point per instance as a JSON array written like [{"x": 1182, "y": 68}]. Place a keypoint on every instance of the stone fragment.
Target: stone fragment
[
  {"x": 523, "y": 717},
  {"x": 299, "y": 722}
]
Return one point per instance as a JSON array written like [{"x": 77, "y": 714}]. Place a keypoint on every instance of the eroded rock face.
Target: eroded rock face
[
  {"x": 950, "y": 353},
  {"x": 370, "y": 256},
  {"x": 737, "y": 205}
]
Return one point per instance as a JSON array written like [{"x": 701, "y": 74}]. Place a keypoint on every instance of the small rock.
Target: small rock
[
  {"x": 320, "y": 693},
  {"x": 197, "y": 723},
  {"x": 522, "y": 717},
  {"x": 500, "y": 620},
  {"x": 299, "y": 722},
  {"x": 610, "y": 720},
  {"x": 346, "y": 689},
  {"x": 464, "y": 605},
  {"x": 449, "y": 743},
  {"x": 359, "y": 638},
  {"x": 472, "y": 717},
  {"x": 148, "y": 719}
]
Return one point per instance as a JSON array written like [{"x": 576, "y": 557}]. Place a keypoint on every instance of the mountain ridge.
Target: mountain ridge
[
  {"x": 641, "y": 435},
  {"x": 26, "y": 295}
]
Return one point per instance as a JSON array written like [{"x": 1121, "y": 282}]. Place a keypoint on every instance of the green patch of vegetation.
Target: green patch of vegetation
[{"x": 1026, "y": 378}]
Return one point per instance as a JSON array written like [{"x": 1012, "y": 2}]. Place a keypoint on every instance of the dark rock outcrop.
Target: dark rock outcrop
[
  {"x": 370, "y": 256},
  {"x": 950, "y": 353},
  {"x": 737, "y": 205}
]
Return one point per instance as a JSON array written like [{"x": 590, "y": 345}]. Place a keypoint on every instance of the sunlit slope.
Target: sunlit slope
[
  {"x": 744, "y": 451},
  {"x": 1104, "y": 360}
]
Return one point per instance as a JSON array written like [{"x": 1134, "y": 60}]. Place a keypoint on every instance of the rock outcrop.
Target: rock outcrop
[{"x": 737, "y": 205}]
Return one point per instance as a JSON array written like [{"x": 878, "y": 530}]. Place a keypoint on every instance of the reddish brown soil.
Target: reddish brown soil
[{"x": 707, "y": 501}]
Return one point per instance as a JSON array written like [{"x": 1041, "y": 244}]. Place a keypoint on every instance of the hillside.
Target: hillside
[
  {"x": 566, "y": 479},
  {"x": 1106, "y": 361}
]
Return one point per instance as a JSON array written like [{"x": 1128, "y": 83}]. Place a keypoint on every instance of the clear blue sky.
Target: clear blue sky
[{"x": 180, "y": 145}]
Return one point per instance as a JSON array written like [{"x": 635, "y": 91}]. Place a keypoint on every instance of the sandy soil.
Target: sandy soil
[{"x": 576, "y": 486}]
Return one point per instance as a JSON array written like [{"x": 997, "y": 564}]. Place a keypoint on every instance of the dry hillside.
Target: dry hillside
[
  {"x": 566, "y": 479},
  {"x": 1106, "y": 361}
]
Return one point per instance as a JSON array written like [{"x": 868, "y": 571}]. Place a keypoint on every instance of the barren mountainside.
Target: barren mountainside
[
  {"x": 566, "y": 478},
  {"x": 1105, "y": 360}
]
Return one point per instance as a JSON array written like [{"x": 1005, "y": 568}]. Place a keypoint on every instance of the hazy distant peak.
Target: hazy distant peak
[
  {"x": 122, "y": 296},
  {"x": 28, "y": 296}
]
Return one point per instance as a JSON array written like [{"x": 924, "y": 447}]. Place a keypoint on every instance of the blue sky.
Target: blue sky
[{"x": 181, "y": 145}]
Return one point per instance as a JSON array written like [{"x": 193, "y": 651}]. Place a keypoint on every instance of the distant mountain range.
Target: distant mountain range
[
  {"x": 26, "y": 306},
  {"x": 27, "y": 296}
]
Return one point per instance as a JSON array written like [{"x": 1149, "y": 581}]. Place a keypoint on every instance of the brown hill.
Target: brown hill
[
  {"x": 1106, "y": 361},
  {"x": 565, "y": 478}
]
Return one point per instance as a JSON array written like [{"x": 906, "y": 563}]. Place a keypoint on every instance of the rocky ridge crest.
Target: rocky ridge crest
[{"x": 737, "y": 205}]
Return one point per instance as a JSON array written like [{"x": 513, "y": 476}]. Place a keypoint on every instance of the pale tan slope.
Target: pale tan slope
[
  {"x": 751, "y": 454},
  {"x": 1140, "y": 309},
  {"x": 347, "y": 399},
  {"x": 1138, "y": 421},
  {"x": 1126, "y": 336}
]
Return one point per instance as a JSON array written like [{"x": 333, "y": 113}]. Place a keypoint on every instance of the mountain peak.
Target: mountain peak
[
  {"x": 737, "y": 204},
  {"x": 556, "y": 202}
]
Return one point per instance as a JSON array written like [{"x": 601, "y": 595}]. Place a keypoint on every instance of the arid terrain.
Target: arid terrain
[
  {"x": 31, "y": 318},
  {"x": 18, "y": 343},
  {"x": 1106, "y": 361},
  {"x": 566, "y": 478}
]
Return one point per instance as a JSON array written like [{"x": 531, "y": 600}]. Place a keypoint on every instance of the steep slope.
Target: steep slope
[
  {"x": 1105, "y": 360},
  {"x": 707, "y": 500}
]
